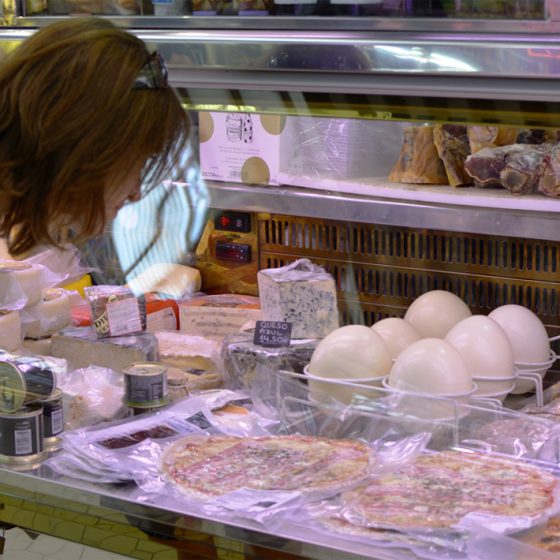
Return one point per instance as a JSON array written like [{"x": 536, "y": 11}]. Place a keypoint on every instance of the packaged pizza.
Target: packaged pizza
[
  {"x": 205, "y": 467},
  {"x": 439, "y": 498}
]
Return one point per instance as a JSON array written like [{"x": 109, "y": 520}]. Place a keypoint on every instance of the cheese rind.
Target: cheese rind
[{"x": 300, "y": 293}]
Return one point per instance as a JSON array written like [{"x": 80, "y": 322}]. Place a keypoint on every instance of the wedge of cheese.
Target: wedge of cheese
[
  {"x": 302, "y": 294},
  {"x": 216, "y": 316},
  {"x": 81, "y": 347},
  {"x": 184, "y": 351}
]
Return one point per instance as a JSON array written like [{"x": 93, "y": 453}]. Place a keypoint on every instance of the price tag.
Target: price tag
[{"x": 272, "y": 334}]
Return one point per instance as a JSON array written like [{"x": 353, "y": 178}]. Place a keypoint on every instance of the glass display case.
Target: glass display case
[{"x": 335, "y": 93}]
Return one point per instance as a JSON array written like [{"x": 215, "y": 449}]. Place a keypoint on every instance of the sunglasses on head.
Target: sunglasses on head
[{"x": 153, "y": 75}]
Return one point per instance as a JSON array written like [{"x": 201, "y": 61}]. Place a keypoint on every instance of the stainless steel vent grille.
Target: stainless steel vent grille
[
  {"x": 380, "y": 270},
  {"x": 474, "y": 254}
]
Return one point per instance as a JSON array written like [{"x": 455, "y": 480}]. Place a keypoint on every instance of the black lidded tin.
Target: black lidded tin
[
  {"x": 145, "y": 384},
  {"x": 53, "y": 418},
  {"x": 23, "y": 380},
  {"x": 21, "y": 436}
]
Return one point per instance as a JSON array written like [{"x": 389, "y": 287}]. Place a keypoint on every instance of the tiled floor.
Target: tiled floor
[{"x": 21, "y": 546}]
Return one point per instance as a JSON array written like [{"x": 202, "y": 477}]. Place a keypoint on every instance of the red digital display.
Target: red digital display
[
  {"x": 233, "y": 252},
  {"x": 224, "y": 221}
]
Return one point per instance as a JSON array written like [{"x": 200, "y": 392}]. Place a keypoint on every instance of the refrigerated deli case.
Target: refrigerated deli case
[{"x": 384, "y": 243}]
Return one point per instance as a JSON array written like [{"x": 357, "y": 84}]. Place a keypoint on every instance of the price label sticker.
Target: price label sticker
[{"x": 272, "y": 334}]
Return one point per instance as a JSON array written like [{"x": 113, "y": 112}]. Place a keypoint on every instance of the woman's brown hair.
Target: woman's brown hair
[{"x": 71, "y": 126}]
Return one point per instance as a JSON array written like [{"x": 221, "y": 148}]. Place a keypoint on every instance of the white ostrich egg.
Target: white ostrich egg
[
  {"x": 528, "y": 338},
  {"x": 433, "y": 366},
  {"x": 396, "y": 333},
  {"x": 435, "y": 313},
  {"x": 484, "y": 346},
  {"x": 353, "y": 351}
]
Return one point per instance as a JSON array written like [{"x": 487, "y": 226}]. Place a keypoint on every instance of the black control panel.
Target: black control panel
[
  {"x": 233, "y": 221},
  {"x": 235, "y": 252}
]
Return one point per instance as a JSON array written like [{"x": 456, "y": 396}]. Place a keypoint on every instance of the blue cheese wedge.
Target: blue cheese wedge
[{"x": 300, "y": 293}]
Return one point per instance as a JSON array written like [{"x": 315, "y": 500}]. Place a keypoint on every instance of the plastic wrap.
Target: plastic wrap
[
  {"x": 116, "y": 311},
  {"x": 342, "y": 149},
  {"x": 81, "y": 347},
  {"x": 133, "y": 450},
  {"x": 91, "y": 396},
  {"x": 58, "y": 366},
  {"x": 67, "y": 264},
  {"x": 266, "y": 492},
  {"x": 485, "y": 544},
  {"x": 217, "y": 316},
  {"x": 285, "y": 395},
  {"x": 437, "y": 500},
  {"x": 51, "y": 314},
  {"x": 185, "y": 351},
  {"x": 130, "y": 449},
  {"x": 301, "y": 293},
  {"x": 21, "y": 283},
  {"x": 11, "y": 333},
  {"x": 550, "y": 411},
  {"x": 240, "y": 357},
  {"x": 172, "y": 280}
]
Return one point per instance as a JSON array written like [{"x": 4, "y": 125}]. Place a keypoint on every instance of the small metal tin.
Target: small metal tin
[
  {"x": 53, "y": 419},
  {"x": 24, "y": 379},
  {"x": 21, "y": 436},
  {"x": 145, "y": 384}
]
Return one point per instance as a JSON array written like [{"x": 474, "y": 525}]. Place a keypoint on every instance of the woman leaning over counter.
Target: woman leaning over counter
[{"x": 86, "y": 118}]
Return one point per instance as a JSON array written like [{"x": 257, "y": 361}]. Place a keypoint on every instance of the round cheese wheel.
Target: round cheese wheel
[
  {"x": 10, "y": 330},
  {"x": 52, "y": 314},
  {"x": 21, "y": 281}
]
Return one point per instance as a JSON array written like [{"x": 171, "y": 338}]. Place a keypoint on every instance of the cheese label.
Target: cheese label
[
  {"x": 162, "y": 320},
  {"x": 124, "y": 317},
  {"x": 272, "y": 334}
]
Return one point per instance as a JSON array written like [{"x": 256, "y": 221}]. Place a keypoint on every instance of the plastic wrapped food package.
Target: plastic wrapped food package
[
  {"x": 116, "y": 311},
  {"x": 135, "y": 448},
  {"x": 51, "y": 314},
  {"x": 92, "y": 395},
  {"x": 81, "y": 347},
  {"x": 330, "y": 148},
  {"x": 11, "y": 333},
  {"x": 301, "y": 293},
  {"x": 21, "y": 283},
  {"x": 240, "y": 357}
]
